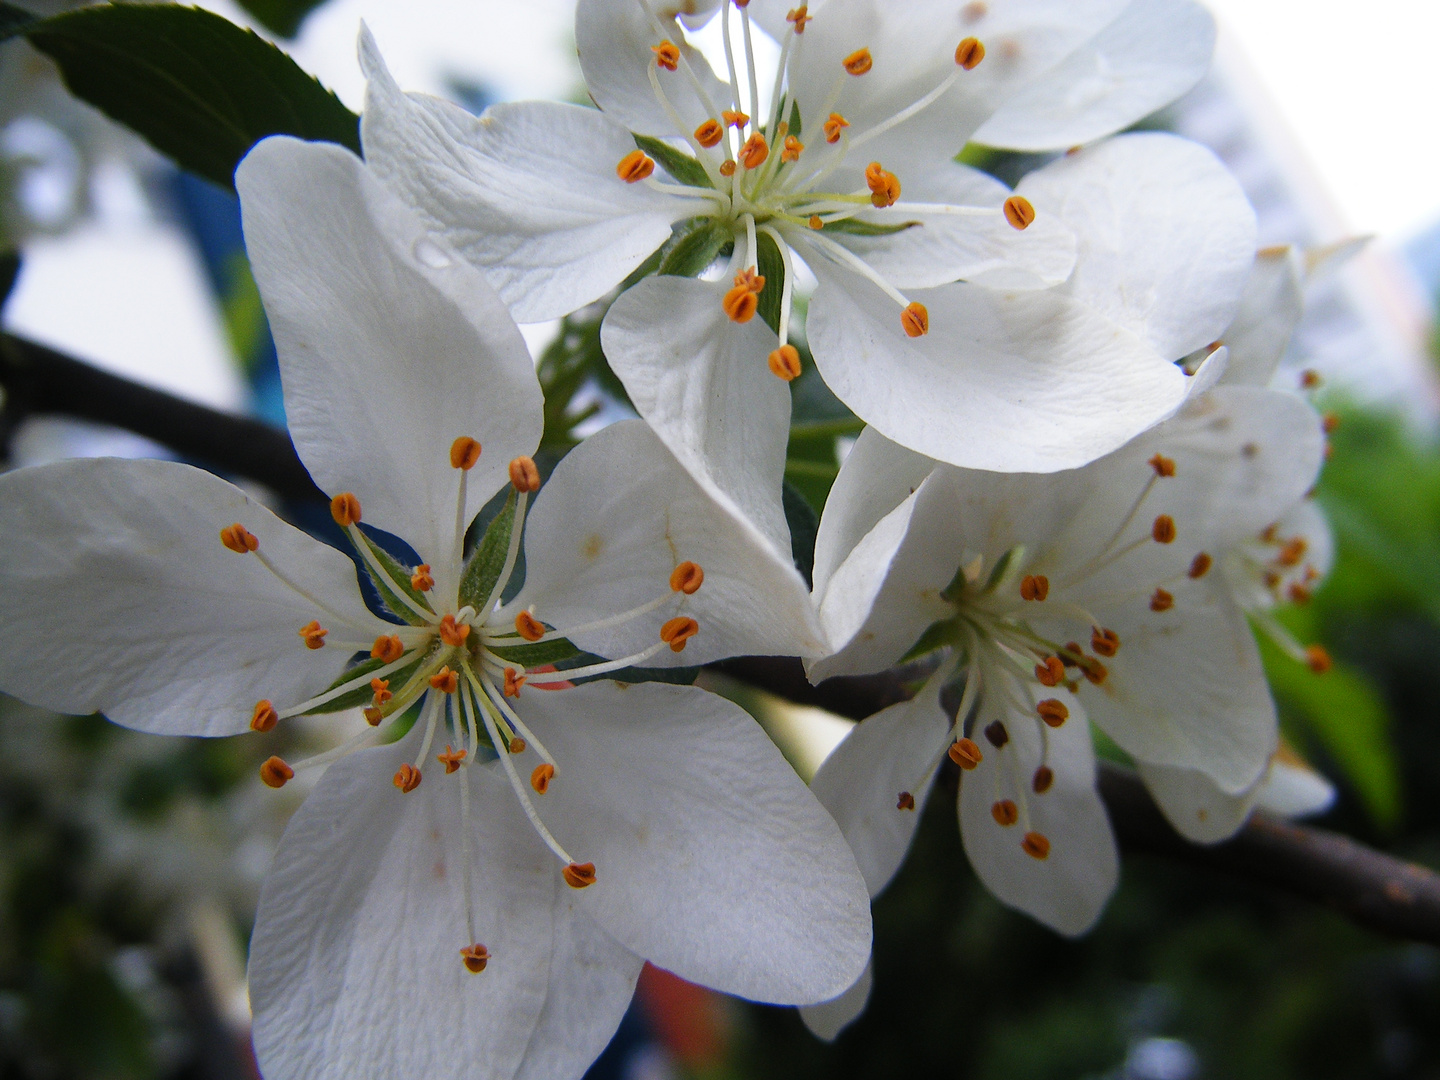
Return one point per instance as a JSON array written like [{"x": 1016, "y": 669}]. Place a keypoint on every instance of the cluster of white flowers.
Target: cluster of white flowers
[{"x": 1074, "y": 493}]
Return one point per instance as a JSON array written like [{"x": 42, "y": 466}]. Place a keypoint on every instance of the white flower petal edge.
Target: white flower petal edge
[
  {"x": 1199, "y": 810},
  {"x": 1166, "y": 236},
  {"x": 118, "y": 596},
  {"x": 601, "y": 542},
  {"x": 417, "y": 350},
  {"x": 527, "y": 192},
  {"x": 829, "y": 1018},
  {"x": 716, "y": 862},
  {"x": 1270, "y": 310},
  {"x": 353, "y": 967}
]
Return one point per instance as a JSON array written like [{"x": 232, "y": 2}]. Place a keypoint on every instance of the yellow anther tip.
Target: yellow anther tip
[
  {"x": 687, "y": 578},
  {"x": 966, "y": 754},
  {"x": 580, "y": 875},
  {"x": 678, "y": 631},
  {"x": 859, "y": 62},
  {"x": 969, "y": 53},
  {"x": 541, "y": 777},
  {"x": 524, "y": 475},
  {"x": 407, "y": 778},
  {"x": 529, "y": 627},
  {"x": 475, "y": 958},
  {"x": 264, "y": 718},
  {"x": 1018, "y": 212},
  {"x": 345, "y": 509},
  {"x": 915, "y": 320},
  {"x": 464, "y": 453},
  {"x": 784, "y": 363},
  {"x": 239, "y": 539},
  {"x": 634, "y": 167},
  {"x": 275, "y": 773},
  {"x": 1036, "y": 845}
]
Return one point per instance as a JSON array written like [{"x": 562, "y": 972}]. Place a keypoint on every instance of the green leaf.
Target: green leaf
[
  {"x": 536, "y": 654},
  {"x": 488, "y": 560},
  {"x": 696, "y": 245},
  {"x": 281, "y": 17},
  {"x": 772, "y": 268},
  {"x": 401, "y": 576},
  {"x": 860, "y": 227},
  {"x": 680, "y": 165},
  {"x": 804, "y": 526},
  {"x": 201, "y": 89}
]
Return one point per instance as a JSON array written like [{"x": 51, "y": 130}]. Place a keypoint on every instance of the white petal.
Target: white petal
[
  {"x": 390, "y": 346},
  {"x": 118, "y": 596},
  {"x": 614, "y": 38},
  {"x": 527, "y": 192},
  {"x": 713, "y": 860},
  {"x": 1006, "y": 381},
  {"x": 1152, "y": 52},
  {"x": 1166, "y": 236},
  {"x": 355, "y": 967},
  {"x": 615, "y": 519},
  {"x": 1199, "y": 810},
  {"x": 829, "y": 1018},
  {"x": 702, "y": 383},
  {"x": 1068, "y": 890},
  {"x": 861, "y": 781},
  {"x": 1270, "y": 309},
  {"x": 1294, "y": 790}
]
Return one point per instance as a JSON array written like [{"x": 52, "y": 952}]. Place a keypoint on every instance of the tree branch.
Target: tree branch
[{"x": 1373, "y": 889}]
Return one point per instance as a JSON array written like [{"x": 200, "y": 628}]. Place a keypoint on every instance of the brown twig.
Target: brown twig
[{"x": 1374, "y": 889}]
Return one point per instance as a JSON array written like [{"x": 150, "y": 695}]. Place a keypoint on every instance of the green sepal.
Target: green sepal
[
  {"x": 804, "y": 528},
  {"x": 488, "y": 559},
  {"x": 401, "y": 575},
  {"x": 361, "y": 695},
  {"x": 937, "y": 635},
  {"x": 771, "y": 267},
  {"x": 696, "y": 245},
  {"x": 860, "y": 227},
  {"x": 795, "y": 128},
  {"x": 535, "y": 654},
  {"x": 680, "y": 165},
  {"x": 676, "y": 676},
  {"x": 1005, "y": 567}
]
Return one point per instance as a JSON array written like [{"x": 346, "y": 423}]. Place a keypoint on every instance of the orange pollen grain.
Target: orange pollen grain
[
  {"x": 579, "y": 875},
  {"x": 734, "y": 119},
  {"x": 1318, "y": 659},
  {"x": 678, "y": 631},
  {"x": 453, "y": 633},
  {"x": 667, "y": 55},
  {"x": 1053, "y": 711},
  {"x": 1104, "y": 642},
  {"x": 388, "y": 648},
  {"x": 407, "y": 778},
  {"x": 451, "y": 759},
  {"x": 816, "y": 222},
  {"x": 753, "y": 154},
  {"x": 969, "y": 53},
  {"x": 1034, "y": 587},
  {"x": 687, "y": 578},
  {"x": 740, "y": 304},
  {"x": 275, "y": 773},
  {"x": 421, "y": 580},
  {"x": 915, "y": 320},
  {"x": 634, "y": 167},
  {"x": 1200, "y": 565},
  {"x": 1043, "y": 779},
  {"x": 524, "y": 475},
  {"x": 799, "y": 17},
  {"x": 1019, "y": 212},
  {"x": 834, "y": 126},
  {"x": 475, "y": 957},
  {"x": 905, "y": 801},
  {"x": 445, "y": 680},
  {"x": 1005, "y": 813},
  {"x": 784, "y": 363},
  {"x": 1162, "y": 465},
  {"x": 727, "y": 168},
  {"x": 709, "y": 133},
  {"x": 345, "y": 509},
  {"x": 884, "y": 186},
  {"x": 793, "y": 149},
  {"x": 529, "y": 627},
  {"x": 381, "y": 689},
  {"x": 264, "y": 718},
  {"x": 313, "y": 634},
  {"x": 1051, "y": 672},
  {"x": 513, "y": 682},
  {"x": 239, "y": 539},
  {"x": 464, "y": 453},
  {"x": 1036, "y": 845},
  {"x": 966, "y": 754},
  {"x": 1161, "y": 600},
  {"x": 859, "y": 62},
  {"x": 373, "y": 716},
  {"x": 1163, "y": 530}
]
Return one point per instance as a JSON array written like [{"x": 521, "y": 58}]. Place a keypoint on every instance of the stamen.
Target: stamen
[
  {"x": 388, "y": 648},
  {"x": 453, "y": 633},
  {"x": 313, "y": 634},
  {"x": 1043, "y": 779},
  {"x": 445, "y": 680},
  {"x": 345, "y": 509},
  {"x": 1318, "y": 659},
  {"x": 816, "y": 222},
  {"x": 524, "y": 475},
  {"x": 264, "y": 717},
  {"x": 915, "y": 320},
  {"x": 513, "y": 682},
  {"x": 529, "y": 627},
  {"x": 275, "y": 773},
  {"x": 798, "y": 17},
  {"x": 1094, "y": 671},
  {"x": 1034, "y": 587},
  {"x": 1162, "y": 465},
  {"x": 969, "y": 52},
  {"x": 906, "y": 801},
  {"x": 475, "y": 957},
  {"x": 373, "y": 716},
  {"x": 1051, "y": 672},
  {"x": 833, "y": 127},
  {"x": 381, "y": 689},
  {"x": 743, "y": 301},
  {"x": 1005, "y": 813},
  {"x": 667, "y": 55},
  {"x": 785, "y": 363},
  {"x": 1200, "y": 565},
  {"x": 678, "y": 631},
  {"x": 1299, "y": 594},
  {"x": 1293, "y": 552},
  {"x": 451, "y": 759},
  {"x": 884, "y": 186},
  {"x": 1311, "y": 380},
  {"x": 421, "y": 580},
  {"x": 997, "y": 735},
  {"x": 464, "y": 453},
  {"x": 239, "y": 539},
  {"x": 1019, "y": 212},
  {"x": 753, "y": 154},
  {"x": 579, "y": 875},
  {"x": 407, "y": 778},
  {"x": 859, "y": 62},
  {"x": 793, "y": 149},
  {"x": 709, "y": 133},
  {"x": 727, "y": 168},
  {"x": 1104, "y": 642},
  {"x": 974, "y": 11},
  {"x": 634, "y": 167},
  {"x": 734, "y": 118},
  {"x": 687, "y": 578},
  {"x": 966, "y": 754},
  {"x": 517, "y": 746},
  {"x": 1163, "y": 530},
  {"x": 1053, "y": 711},
  {"x": 541, "y": 777},
  {"x": 1036, "y": 845},
  {"x": 1162, "y": 600}
]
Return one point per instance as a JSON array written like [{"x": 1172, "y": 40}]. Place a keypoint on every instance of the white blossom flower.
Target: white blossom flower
[
  {"x": 482, "y": 909},
  {"x": 849, "y": 169}
]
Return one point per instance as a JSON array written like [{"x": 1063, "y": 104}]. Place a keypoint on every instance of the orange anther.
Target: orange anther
[
  {"x": 1318, "y": 659},
  {"x": 1200, "y": 565},
  {"x": 464, "y": 453},
  {"x": 785, "y": 363},
  {"x": 1042, "y": 780},
  {"x": 709, "y": 133},
  {"x": 687, "y": 578},
  {"x": 884, "y": 187},
  {"x": 966, "y": 754},
  {"x": 475, "y": 957},
  {"x": 453, "y": 633},
  {"x": 1293, "y": 551},
  {"x": 524, "y": 475},
  {"x": 345, "y": 509},
  {"x": 741, "y": 303},
  {"x": 579, "y": 875},
  {"x": 541, "y": 777},
  {"x": 816, "y": 222},
  {"x": 915, "y": 320},
  {"x": 1036, "y": 845},
  {"x": 969, "y": 53},
  {"x": 734, "y": 119},
  {"x": 799, "y": 17},
  {"x": 407, "y": 778},
  {"x": 753, "y": 154},
  {"x": 1019, "y": 212},
  {"x": 1329, "y": 422},
  {"x": 974, "y": 11},
  {"x": 793, "y": 149},
  {"x": 1300, "y": 594},
  {"x": 1310, "y": 380},
  {"x": 1163, "y": 530},
  {"x": 1073, "y": 656},
  {"x": 264, "y": 718},
  {"x": 381, "y": 689},
  {"x": 1162, "y": 465},
  {"x": 834, "y": 126},
  {"x": 667, "y": 55},
  {"x": 859, "y": 62},
  {"x": 313, "y": 634},
  {"x": 1053, "y": 711},
  {"x": 513, "y": 682},
  {"x": 727, "y": 168},
  {"x": 529, "y": 627},
  {"x": 1161, "y": 600},
  {"x": 1104, "y": 642},
  {"x": 750, "y": 279},
  {"x": 445, "y": 680},
  {"x": 634, "y": 167},
  {"x": 517, "y": 744},
  {"x": 275, "y": 773},
  {"x": 1034, "y": 587},
  {"x": 387, "y": 648},
  {"x": 239, "y": 539},
  {"x": 1051, "y": 672},
  {"x": 996, "y": 734},
  {"x": 1005, "y": 813},
  {"x": 1271, "y": 533},
  {"x": 451, "y": 759},
  {"x": 905, "y": 801},
  {"x": 678, "y": 631},
  {"x": 1094, "y": 671},
  {"x": 373, "y": 716},
  {"x": 422, "y": 580}
]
